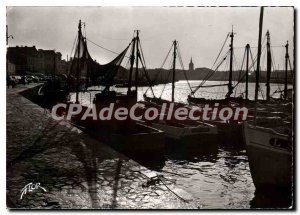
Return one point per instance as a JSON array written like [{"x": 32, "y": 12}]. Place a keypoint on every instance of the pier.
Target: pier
[{"x": 75, "y": 170}]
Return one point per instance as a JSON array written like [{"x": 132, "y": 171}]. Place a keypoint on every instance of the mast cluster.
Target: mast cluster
[
  {"x": 286, "y": 69},
  {"x": 230, "y": 88},
  {"x": 174, "y": 66},
  {"x": 136, "y": 53},
  {"x": 134, "y": 58}
]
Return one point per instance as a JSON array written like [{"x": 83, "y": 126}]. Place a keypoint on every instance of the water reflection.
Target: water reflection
[
  {"x": 218, "y": 179},
  {"x": 217, "y": 176},
  {"x": 181, "y": 91}
]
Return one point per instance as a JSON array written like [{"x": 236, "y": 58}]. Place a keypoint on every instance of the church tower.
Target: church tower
[{"x": 191, "y": 65}]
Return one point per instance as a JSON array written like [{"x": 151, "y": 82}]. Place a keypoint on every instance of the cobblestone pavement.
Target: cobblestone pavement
[{"x": 77, "y": 171}]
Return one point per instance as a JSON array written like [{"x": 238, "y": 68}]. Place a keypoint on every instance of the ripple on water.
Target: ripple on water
[{"x": 217, "y": 181}]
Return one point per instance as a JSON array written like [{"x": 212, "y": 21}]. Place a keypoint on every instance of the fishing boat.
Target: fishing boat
[
  {"x": 191, "y": 134},
  {"x": 127, "y": 136},
  {"x": 227, "y": 129},
  {"x": 54, "y": 90},
  {"x": 270, "y": 157},
  {"x": 196, "y": 100},
  {"x": 270, "y": 150}
]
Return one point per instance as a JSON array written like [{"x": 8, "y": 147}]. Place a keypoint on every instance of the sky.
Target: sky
[{"x": 200, "y": 31}]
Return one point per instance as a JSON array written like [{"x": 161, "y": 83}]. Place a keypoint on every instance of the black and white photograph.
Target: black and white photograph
[{"x": 150, "y": 107}]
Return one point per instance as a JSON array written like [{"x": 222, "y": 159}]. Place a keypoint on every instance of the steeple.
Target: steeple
[{"x": 191, "y": 65}]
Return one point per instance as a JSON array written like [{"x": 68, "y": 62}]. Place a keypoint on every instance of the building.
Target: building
[
  {"x": 11, "y": 68},
  {"x": 28, "y": 60},
  {"x": 191, "y": 65},
  {"x": 22, "y": 57}
]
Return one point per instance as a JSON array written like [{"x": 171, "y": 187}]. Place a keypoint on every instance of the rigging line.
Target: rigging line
[
  {"x": 240, "y": 71},
  {"x": 255, "y": 59},
  {"x": 218, "y": 66},
  {"x": 151, "y": 37},
  {"x": 105, "y": 48},
  {"x": 253, "y": 62},
  {"x": 169, "y": 74},
  {"x": 159, "y": 72},
  {"x": 239, "y": 80},
  {"x": 274, "y": 69},
  {"x": 143, "y": 61},
  {"x": 264, "y": 39},
  {"x": 180, "y": 59},
  {"x": 277, "y": 78},
  {"x": 209, "y": 75},
  {"x": 292, "y": 71},
  {"x": 226, "y": 69},
  {"x": 146, "y": 74},
  {"x": 84, "y": 29},
  {"x": 224, "y": 78},
  {"x": 235, "y": 65},
  {"x": 214, "y": 85},
  {"x": 165, "y": 84},
  {"x": 255, "y": 47},
  {"x": 243, "y": 61},
  {"x": 142, "y": 54},
  {"x": 220, "y": 50},
  {"x": 144, "y": 64},
  {"x": 179, "y": 197},
  {"x": 75, "y": 40},
  {"x": 273, "y": 60},
  {"x": 166, "y": 57},
  {"x": 127, "y": 64},
  {"x": 108, "y": 38},
  {"x": 263, "y": 58}
]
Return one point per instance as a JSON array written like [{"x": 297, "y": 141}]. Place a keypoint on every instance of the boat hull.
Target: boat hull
[
  {"x": 270, "y": 165},
  {"x": 189, "y": 139},
  {"x": 136, "y": 141},
  {"x": 230, "y": 134}
]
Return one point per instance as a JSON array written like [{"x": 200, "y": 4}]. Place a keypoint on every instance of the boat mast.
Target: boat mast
[
  {"x": 269, "y": 63},
  {"x": 174, "y": 65},
  {"x": 247, "y": 69},
  {"x": 78, "y": 62},
  {"x": 137, "y": 60},
  {"x": 7, "y": 37},
  {"x": 286, "y": 69},
  {"x": 230, "y": 88},
  {"x": 261, "y": 18},
  {"x": 54, "y": 64},
  {"x": 131, "y": 67}
]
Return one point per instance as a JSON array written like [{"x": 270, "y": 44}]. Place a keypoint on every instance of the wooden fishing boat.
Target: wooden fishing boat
[
  {"x": 270, "y": 157},
  {"x": 138, "y": 139},
  {"x": 270, "y": 151},
  {"x": 127, "y": 136},
  {"x": 286, "y": 95},
  {"x": 192, "y": 134}
]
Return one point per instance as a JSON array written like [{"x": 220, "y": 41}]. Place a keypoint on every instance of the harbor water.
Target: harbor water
[
  {"x": 219, "y": 179},
  {"x": 182, "y": 90}
]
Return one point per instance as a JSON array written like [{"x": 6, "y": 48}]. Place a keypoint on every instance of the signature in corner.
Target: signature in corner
[{"x": 31, "y": 187}]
